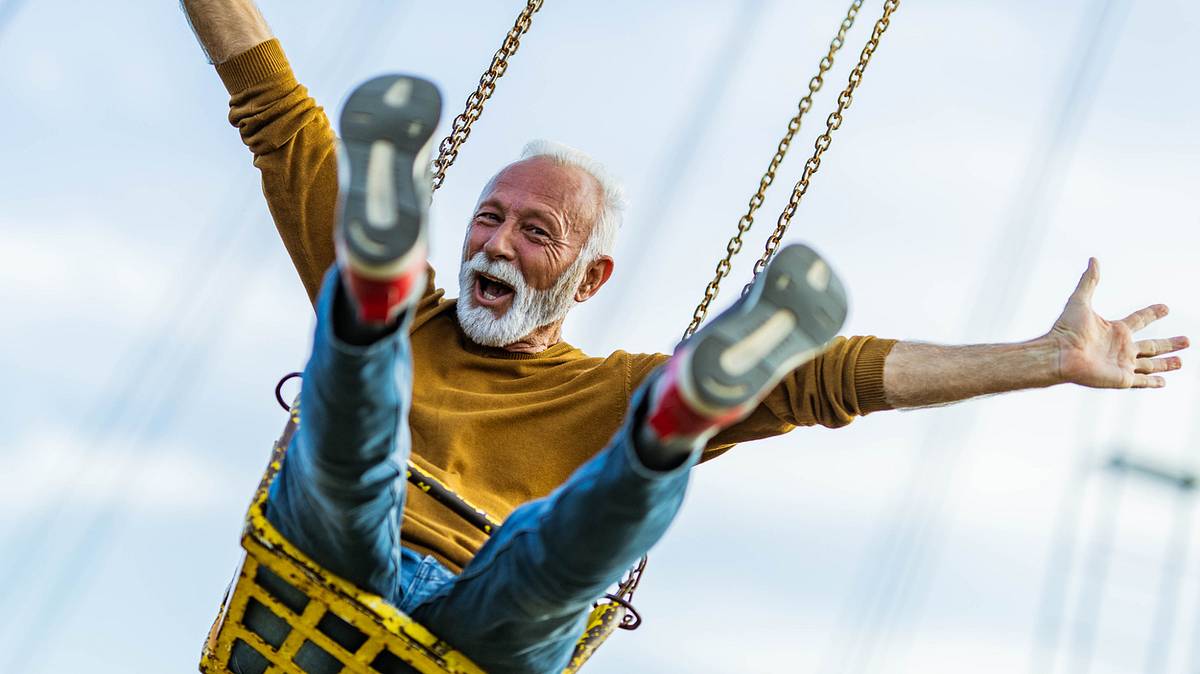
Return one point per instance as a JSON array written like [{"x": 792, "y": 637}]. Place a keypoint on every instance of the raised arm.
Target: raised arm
[
  {"x": 1081, "y": 348},
  {"x": 288, "y": 133},
  {"x": 226, "y": 28}
]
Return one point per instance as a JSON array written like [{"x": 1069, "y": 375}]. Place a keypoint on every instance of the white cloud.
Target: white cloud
[
  {"x": 58, "y": 465},
  {"x": 76, "y": 266}
]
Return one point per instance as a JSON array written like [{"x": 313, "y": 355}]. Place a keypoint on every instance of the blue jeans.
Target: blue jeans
[{"x": 523, "y": 601}]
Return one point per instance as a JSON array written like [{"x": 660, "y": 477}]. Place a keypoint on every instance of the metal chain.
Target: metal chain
[
  {"x": 822, "y": 143},
  {"x": 461, "y": 128},
  {"x": 747, "y": 221}
]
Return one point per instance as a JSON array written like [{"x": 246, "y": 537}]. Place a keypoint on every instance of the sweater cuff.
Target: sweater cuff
[
  {"x": 252, "y": 66},
  {"x": 868, "y": 376}
]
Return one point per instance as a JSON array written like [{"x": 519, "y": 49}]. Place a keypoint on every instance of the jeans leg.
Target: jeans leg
[
  {"x": 340, "y": 493},
  {"x": 523, "y": 601}
]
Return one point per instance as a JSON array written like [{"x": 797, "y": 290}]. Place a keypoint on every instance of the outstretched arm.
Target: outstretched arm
[
  {"x": 1082, "y": 348},
  {"x": 226, "y": 28}
]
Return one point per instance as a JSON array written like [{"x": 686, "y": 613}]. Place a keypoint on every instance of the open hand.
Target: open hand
[{"x": 1103, "y": 354}]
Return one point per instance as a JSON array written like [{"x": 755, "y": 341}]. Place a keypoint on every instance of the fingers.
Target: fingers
[
  {"x": 1157, "y": 347},
  {"x": 1087, "y": 283},
  {"x": 1152, "y": 365},
  {"x": 1143, "y": 317},
  {"x": 1148, "y": 381}
]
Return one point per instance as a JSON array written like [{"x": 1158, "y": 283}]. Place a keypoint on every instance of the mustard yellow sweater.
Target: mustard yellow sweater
[{"x": 499, "y": 428}]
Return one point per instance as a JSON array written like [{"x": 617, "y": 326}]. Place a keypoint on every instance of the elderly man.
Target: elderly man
[{"x": 483, "y": 393}]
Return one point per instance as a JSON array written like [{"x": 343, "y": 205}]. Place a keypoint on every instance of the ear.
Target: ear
[{"x": 597, "y": 274}]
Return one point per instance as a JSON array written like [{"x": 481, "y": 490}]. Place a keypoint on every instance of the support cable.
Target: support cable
[
  {"x": 8, "y": 11},
  {"x": 73, "y": 574},
  {"x": 724, "y": 65},
  {"x": 907, "y": 545},
  {"x": 1175, "y": 565},
  {"x": 1064, "y": 548}
]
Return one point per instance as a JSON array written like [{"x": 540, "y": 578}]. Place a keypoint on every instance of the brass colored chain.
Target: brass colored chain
[
  {"x": 747, "y": 221},
  {"x": 461, "y": 128},
  {"x": 822, "y": 143}
]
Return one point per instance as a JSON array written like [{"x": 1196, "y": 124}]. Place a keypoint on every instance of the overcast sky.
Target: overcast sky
[{"x": 149, "y": 309}]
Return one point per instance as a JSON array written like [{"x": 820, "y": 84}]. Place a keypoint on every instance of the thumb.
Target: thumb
[{"x": 1087, "y": 282}]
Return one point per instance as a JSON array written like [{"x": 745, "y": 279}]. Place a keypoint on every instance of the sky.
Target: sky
[{"x": 991, "y": 149}]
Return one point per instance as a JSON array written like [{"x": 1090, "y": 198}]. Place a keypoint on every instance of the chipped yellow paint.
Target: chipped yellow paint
[
  {"x": 385, "y": 626},
  {"x": 602, "y": 623}
]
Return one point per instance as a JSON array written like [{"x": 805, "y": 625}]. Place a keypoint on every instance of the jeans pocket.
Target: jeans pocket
[{"x": 429, "y": 576}]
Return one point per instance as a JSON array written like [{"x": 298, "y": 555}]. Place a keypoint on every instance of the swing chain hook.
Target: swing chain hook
[
  {"x": 624, "y": 596},
  {"x": 632, "y": 619},
  {"x": 279, "y": 389},
  {"x": 461, "y": 127},
  {"x": 747, "y": 220}
]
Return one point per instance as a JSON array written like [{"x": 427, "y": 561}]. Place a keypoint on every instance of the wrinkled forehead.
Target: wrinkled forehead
[{"x": 542, "y": 183}]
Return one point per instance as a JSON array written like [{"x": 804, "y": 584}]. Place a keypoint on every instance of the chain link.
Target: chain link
[
  {"x": 461, "y": 128},
  {"x": 822, "y": 143},
  {"x": 734, "y": 246}
]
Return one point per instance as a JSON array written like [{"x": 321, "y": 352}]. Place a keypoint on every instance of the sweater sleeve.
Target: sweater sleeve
[
  {"x": 293, "y": 147},
  {"x": 844, "y": 382}
]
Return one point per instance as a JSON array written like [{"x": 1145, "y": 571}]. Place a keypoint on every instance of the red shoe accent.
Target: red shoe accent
[
  {"x": 671, "y": 417},
  {"x": 380, "y": 301}
]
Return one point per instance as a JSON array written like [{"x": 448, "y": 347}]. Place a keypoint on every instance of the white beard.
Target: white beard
[{"x": 528, "y": 310}]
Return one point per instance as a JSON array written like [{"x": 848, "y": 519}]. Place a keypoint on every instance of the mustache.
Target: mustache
[{"x": 501, "y": 270}]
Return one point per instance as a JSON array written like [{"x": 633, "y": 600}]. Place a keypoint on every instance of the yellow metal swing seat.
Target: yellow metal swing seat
[{"x": 328, "y": 623}]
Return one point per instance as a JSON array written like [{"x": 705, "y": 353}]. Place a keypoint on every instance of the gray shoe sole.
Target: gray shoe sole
[
  {"x": 386, "y": 130},
  {"x": 794, "y": 309}
]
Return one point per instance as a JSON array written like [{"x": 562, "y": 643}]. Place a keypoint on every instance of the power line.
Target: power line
[
  {"x": 892, "y": 574},
  {"x": 1175, "y": 558},
  {"x": 8, "y": 11},
  {"x": 1060, "y": 561},
  {"x": 1175, "y": 563},
  {"x": 1051, "y": 611},
  {"x": 84, "y": 551},
  {"x": 725, "y": 63},
  {"x": 1091, "y": 599}
]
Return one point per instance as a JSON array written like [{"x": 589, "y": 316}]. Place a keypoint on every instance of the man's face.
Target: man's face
[{"x": 521, "y": 248}]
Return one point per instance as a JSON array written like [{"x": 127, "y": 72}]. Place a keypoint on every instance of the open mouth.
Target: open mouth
[{"x": 491, "y": 289}]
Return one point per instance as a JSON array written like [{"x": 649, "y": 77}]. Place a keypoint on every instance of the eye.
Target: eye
[
  {"x": 538, "y": 231},
  {"x": 488, "y": 216}
]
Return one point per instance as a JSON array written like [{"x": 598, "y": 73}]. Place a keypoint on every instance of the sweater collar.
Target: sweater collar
[{"x": 494, "y": 352}]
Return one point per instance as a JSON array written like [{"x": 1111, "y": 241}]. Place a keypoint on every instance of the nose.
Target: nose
[{"x": 499, "y": 246}]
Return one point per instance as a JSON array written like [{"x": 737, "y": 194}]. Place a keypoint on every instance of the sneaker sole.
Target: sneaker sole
[
  {"x": 386, "y": 128},
  {"x": 790, "y": 314}
]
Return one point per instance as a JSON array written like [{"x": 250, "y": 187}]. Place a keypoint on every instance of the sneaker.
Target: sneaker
[
  {"x": 719, "y": 376},
  {"x": 386, "y": 129}
]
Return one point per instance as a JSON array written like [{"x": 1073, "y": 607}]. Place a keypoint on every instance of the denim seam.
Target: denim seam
[
  {"x": 393, "y": 512},
  {"x": 428, "y": 571},
  {"x": 476, "y": 572},
  {"x": 414, "y": 583}
]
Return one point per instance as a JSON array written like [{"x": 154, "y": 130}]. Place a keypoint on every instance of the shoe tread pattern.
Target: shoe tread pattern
[
  {"x": 367, "y": 118},
  {"x": 818, "y": 314}
]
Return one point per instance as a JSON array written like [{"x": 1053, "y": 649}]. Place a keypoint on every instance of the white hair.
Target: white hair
[{"x": 603, "y": 239}]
